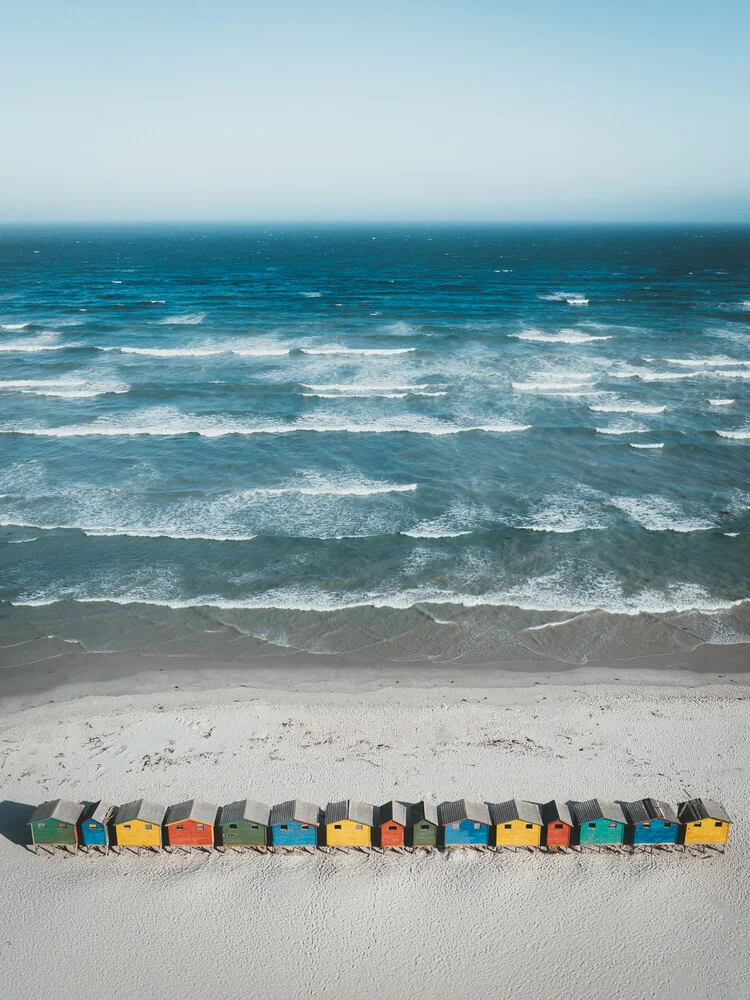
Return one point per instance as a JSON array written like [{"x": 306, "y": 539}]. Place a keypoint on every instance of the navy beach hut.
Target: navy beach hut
[
  {"x": 464, "y": 823},
  {"x": 95, "y": 824},
  {"x": 652, "y": 822},
  {"x": 295, "y": 824},
  {"x": 243, "y": 824},
  {"x": 599, "y": 822}
]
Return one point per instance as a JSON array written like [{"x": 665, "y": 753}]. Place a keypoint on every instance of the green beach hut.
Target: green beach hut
[
  {"x": 55, "y": 824},
  {"x": 423, "y": 821},
  {"x": 243, "y": 824}
]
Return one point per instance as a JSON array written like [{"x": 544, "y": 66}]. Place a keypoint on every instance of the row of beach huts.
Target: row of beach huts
[{"x": 350, "y": 823}]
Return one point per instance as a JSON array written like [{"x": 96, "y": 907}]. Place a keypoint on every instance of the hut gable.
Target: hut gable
[
  {"x": 648, "y": 810},
  {"x": 57, "y": 810},
  {"x": 597, "y": 809},
  {"x": 141, "y": 811},
  {"x": 295, "y": 811},
  {"x": 556, "y": 812},
  {"x": 194, "y": 810},
  {"x": 424, "y": 812},
  {"x": 350, "y": 809},
  {"x": 515, "y": 810},
  {"x": 100, "y": 812},
  {"x": 463, "y": 809},
  {"x": 696, "y": 810},
  {"x": 245, "y": 811},
  {"x": 393, "y": 812}
]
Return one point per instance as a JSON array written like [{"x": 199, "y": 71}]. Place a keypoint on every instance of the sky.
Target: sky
[{"x": 464, "y": 110}]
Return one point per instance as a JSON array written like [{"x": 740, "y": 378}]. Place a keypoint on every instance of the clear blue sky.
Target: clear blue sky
[{"x": 411, "y": 110}]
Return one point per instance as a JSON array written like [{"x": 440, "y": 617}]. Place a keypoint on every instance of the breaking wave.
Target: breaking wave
[
  {"x": 563, "y": 337},
  {"x": 186, "y": 319}
]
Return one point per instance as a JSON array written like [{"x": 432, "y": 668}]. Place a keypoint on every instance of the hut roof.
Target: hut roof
[
  {"x": 593, "y": 809},
  {"x": 141, "y": 809},
  {"x": 194, "y": 809},
  {"x": 513, "y": 809},
  {"x": 424, "y": 812},
  {"x": 62, "y": 810},
  {"x": 98, "y": 812},
  {"x": 454, "y": 812},
  {"x": 556, "y": 812},
  {"x": 244, "y": 809},
  {"x": 352, "y": 809},
  {"x": 698, "y": 809},
  {"x": 644, "y": 810},
  {"x": 393, "y": 812},
  {"x": 295, "y": 811}
]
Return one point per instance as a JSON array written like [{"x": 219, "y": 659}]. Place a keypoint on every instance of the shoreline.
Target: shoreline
[{"x": 68, "y": 677}]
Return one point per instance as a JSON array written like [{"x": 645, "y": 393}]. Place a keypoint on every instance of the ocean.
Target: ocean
[{"x": 399, "y": 443}]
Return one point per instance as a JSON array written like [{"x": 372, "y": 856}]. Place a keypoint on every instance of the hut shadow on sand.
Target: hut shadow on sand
[{"x": 14, "y": 819}]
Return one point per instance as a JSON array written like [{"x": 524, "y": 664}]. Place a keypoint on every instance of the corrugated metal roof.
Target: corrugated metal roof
[
  {"x": 697, "y": 809},
  {"x": 193, "y": 809},
  {"x": 556, "y": 812},
  {"x": 62, "y": 810},
  {"x": 515, "y": 809},
  {"x": 98, "y": 812},
  {"x": 593, "y": 809},
  {"x": 351, "y": 809},
  {"x": 644, "y": 810},
  {"x": 141, "y": 809},
  {"x": 424, "y": 812},
  {"x": 454, "y": 812},
  {"x": 295, "y": 811},
  {"x": 244, "y": 809},
  {"x": 393, "y": 812}
]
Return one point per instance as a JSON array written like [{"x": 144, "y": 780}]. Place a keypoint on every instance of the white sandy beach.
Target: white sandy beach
[{"x": 457, "y": 925}]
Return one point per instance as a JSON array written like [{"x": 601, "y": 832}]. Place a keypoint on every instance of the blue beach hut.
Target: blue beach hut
[
  {"x": 464, "y": 823},
  {"x": 599, "y": 822},
  {"x": 295, "y": 824},
  {"x": 95, "y": 824},
  {"x": 652, "y": 822}
]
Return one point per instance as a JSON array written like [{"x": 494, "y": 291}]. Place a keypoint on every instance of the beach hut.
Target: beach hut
[
  {"x": 464, "y": 823},
  {"x": 95, "y": 824},
  {"x": 424, "y": 824},
  {"x": 557, "y": 824},
  {"x": 392, "y": 822},
  {"x": 295, "y": 824},
  {"x": 243, "y": 824},
  {"x": 138, "y": 824},
  {"x": 704, "y": 822},
  {"x": 517, "y": 823},
  {"x": 599, "y": 822},
  {"x": 55, "y": 824},
  {"x": 652, "y": 822},
  {"x": 349, "y": 823},
  {"x": 190, "y": 824}
]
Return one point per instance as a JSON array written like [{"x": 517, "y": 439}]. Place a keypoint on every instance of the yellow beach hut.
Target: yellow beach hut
[
  {"x": 139, "y": 823},
  {"x": 703, "y": 822},
  {"x": 349, "y": 823},
  {"x": 517, "y": 823}
]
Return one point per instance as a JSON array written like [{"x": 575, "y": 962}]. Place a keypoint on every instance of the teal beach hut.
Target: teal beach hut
[
  {"x": 599, "y": 822},
  {"x": 652, "y": 822},
  {"x": 95, "y": 824}
]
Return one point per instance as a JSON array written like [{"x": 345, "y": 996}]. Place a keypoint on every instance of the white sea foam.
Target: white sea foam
[
  {"x": 656, "y": 513},
  {"x": 358, "y": 489},
  {"x": 71, "y": 388},
  {"x": 563, "y": 337},
  {"x": 626, "y": 407},
  {"x": 44, "y": 342},
  {"x": 201, "y": 352},
  {"x": 373, "y": 351},
  {"x": 572, "y": 298},
  {"x": 622, "y": 430},
  {"x": 311, "y": 295},
  {"x": 743, "y": 435},
  {"x": 550, "y": 386},
  {"x": 186, "y": 319},
  {"x": 114, "y": 531},
  {"x": 643, "y": 446},
  {"x": 13, "y": 327},
  {"x": 721, "y": 402},
  {"x": 169, "y": 423},
  {"x": 353, "y": 388},
  {"x": 720, "y": 361}
]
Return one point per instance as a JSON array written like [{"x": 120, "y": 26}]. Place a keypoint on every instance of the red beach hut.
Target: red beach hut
[
  {"x": 190, "y": 824},
  {"x": 392, "y": 824},
  {"x": 558, "y": 824}
]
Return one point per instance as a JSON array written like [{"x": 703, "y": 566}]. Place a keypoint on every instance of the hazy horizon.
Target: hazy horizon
[{"x": 416, "y": 113}]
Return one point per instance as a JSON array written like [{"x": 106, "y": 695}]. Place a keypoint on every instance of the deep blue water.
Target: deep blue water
[{"x": 314, "y": 418}]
